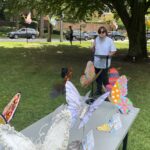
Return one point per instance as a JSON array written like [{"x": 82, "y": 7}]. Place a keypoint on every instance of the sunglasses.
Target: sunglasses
[{"x": 102, "y": 32}]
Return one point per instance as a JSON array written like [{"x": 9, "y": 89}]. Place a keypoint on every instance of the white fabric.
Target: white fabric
[
  {"x": 103, "y": 46},
  {"x": 13, "y": 140},
  {"x": 57, "y": 137}
]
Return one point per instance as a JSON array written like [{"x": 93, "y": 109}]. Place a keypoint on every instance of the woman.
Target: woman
[{"x": 103, "y": 48}]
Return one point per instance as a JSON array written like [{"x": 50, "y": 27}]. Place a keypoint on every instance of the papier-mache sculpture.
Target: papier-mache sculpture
[
  {"x": 10, "y": 109},
  {"x": 89, "y": 74},
  {"x": 118, "y": 95},
  {"x": 57, "y": 136},
  {"x": 78, "y": 106},
  {"x": 113, "y": 76},
  {"x": 113, "y": 124}
]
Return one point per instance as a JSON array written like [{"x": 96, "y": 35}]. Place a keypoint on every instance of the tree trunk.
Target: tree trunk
[
  {"x": 41, "y": 27},
  {"x": 136, "y": 32},
  {"x": 17, "y": 22},
  {"x": 61, "y": 29},
  {"x": 134, "y": 21},
  {"x": 50, "y": 30}
]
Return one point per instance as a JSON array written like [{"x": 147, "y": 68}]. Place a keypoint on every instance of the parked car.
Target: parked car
[
  {"x": 24, "y": 33},
  {"x": 116, "y": 35},
  {"x": 93, "y": 34},
  {"x": 77, "y": 35},
  {"x": 148, "y": 35},
  {"x": 83, "y": 36}
]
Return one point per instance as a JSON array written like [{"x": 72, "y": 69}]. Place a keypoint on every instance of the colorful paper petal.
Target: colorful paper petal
[
  {"x": 104, "y": 127},
  {"x": 2, "y": 120},
  {"x": 10, "y": 109},
  {"x": 118, "y": 95},
  {"x": 88, "y": 75}
]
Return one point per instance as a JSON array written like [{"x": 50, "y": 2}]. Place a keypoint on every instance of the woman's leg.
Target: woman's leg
[
  {"x": 99, "y": 81},
  {"x": 105, "y": 77},
  {"x": 102, "y": 79}
]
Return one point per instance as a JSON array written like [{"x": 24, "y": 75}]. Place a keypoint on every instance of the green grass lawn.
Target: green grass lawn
[{"x": 33, "y": 69}]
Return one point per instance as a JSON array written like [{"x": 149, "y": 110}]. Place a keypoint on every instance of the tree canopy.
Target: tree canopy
[{"x": 131, "y": 12}]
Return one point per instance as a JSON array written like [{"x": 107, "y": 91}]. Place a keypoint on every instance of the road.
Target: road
[{"x": 25, "y": 40}]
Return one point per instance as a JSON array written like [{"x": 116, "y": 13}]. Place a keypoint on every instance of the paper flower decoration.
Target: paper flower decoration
[
  {"x": 89, "y": 74},
  {"x": 11, "y": 107},
  {"x": 125, "y": 105},
  {"x": 113, "y": 124},
  {"x": 2, "y": 120},
  {"x": 113, "y": 76},
  {"x": 104, "y": 127},
  {"x": 118, "y": 95}
]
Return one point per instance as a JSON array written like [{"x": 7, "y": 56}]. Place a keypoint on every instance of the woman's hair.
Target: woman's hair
[{"x": 102, "y": 28}]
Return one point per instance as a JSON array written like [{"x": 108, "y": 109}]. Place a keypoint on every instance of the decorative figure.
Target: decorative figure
[
  {"x": 57, "y": 136},
  {"x": 114, "y": 124},
  {"x": 89, "y": 74},
  {"x": 78, "y": 106},
  {"x": 10, "y": 109},
  {"x": 118, "y": 95},
  {"x": 113, "y": 76},
  {"x": 58, "y": 89}
]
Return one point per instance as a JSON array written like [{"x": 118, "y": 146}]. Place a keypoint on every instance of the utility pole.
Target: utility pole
[
  {"x": 61, "y": 28},
  {"x": 80, "y": 33}
]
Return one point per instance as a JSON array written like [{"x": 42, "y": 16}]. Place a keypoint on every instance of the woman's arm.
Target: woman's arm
[{"x": 93, "y": 46}]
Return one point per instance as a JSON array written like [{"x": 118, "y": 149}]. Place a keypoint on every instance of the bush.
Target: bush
[{"x": 5, "y": 29}]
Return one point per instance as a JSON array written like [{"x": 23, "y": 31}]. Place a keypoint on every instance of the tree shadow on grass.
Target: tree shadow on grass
[{"x": 55, "y": 54}]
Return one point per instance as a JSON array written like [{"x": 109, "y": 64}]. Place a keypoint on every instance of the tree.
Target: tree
[
  {"x": 2, "y": 7},
  {"x": 42, "y": 9},
  {"x": 131, "y": 12},
  {"x": 20, "y": 8}
]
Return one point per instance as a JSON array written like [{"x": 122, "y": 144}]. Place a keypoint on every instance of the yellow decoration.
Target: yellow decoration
[
  {"x": 2, "y": 121},
  {"x": 104, "y": 127},
  {"x": 115, "y": 94}
]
